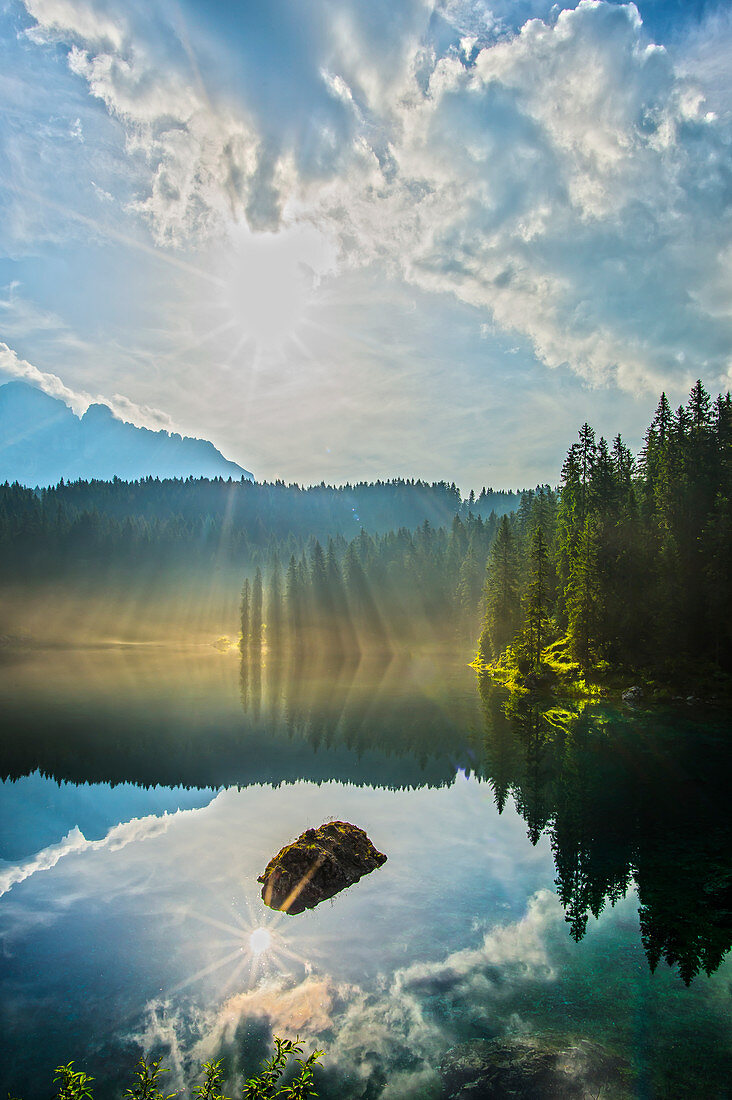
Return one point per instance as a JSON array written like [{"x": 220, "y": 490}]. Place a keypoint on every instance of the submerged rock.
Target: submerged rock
[
  {"x": 318, "y": 865},
  {"x": 530, "y": 1069},
  {"x": 633, "y": 695}
]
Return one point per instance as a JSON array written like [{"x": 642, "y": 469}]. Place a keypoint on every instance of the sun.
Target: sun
[{"x": 268, "y": 282}]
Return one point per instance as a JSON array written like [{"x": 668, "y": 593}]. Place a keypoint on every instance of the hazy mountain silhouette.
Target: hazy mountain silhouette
[{"x": 42, "y": 441}]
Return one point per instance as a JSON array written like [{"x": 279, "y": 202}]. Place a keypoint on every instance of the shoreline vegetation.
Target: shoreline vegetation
[
  {"x": 559, "y": 676},
  {"x": 618, "y": 582},
  {"x": 285, "y": 1074}
]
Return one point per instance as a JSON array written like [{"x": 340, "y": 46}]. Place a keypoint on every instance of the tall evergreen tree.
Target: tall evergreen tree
[
  {"x": 257, "y": 631},
  {"x": 537, "y": 599},
  {"x": 501, "y": 592},
  {"x": 275, "y": 615},
  {"x": 244, "y": 616}
]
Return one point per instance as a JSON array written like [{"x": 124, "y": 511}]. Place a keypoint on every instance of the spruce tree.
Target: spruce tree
[
  {"x": 257, "y": 632},
  {"x": 275, "y": 611},
  {"x": 501, "y": 595},
  {"x": 244, "y": 617},
  {"x": 537, "y": 599}
]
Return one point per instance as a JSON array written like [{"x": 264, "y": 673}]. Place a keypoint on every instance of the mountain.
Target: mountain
[{"x": 42, "y": 441}]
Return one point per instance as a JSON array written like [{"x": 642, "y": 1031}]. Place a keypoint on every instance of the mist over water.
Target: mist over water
[{"x": 146, "y": 788}]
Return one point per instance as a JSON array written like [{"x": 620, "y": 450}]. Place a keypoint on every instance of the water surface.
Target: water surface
[{"x": 555, "y": 870}]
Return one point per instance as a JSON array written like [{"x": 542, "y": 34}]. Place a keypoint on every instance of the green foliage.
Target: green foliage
[
  {"x": 147, "y": 1086},
  {"x": 210, "y": 1087},
  {"x": 72, "y": 1084},
  {"x": 629, "y": 561},
  {"x": 267, "y": 1085}
]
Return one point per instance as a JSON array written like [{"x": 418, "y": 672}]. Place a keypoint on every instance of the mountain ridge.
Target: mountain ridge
[{"x": 42, "y": 441}]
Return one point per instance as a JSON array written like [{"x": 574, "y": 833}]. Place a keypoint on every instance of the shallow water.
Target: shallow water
[{"x": 146, "y": 789}]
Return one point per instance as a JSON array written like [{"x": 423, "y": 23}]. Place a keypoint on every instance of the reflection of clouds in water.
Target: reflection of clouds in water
[
  {"x": 401, "y": 1028},
  {"x": 118, "y": 837}
]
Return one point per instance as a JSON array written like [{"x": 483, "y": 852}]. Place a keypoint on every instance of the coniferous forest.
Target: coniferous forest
[
  {"x": 627, "y": 565},
  {"x": 623, "y": 568}
]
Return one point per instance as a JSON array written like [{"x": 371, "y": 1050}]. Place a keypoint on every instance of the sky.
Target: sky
[{"x": 350, "y": 239}]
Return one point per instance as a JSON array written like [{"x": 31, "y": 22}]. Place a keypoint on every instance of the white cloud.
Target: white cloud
[
  {"x": 391, "y": 1029},
  {"x": 78, "y": 18},
  {"x": 79, "y": 401},
  {"x": 568, "y": 180},
  {"x": 118, "y": 837},
  {"x": 571, "y": 184}
]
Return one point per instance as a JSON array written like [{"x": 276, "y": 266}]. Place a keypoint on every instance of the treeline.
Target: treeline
[
  {"x": 627, "y": 565},
  {"x": 371, "y": 592},
  {"x": 85, "y": 525}
]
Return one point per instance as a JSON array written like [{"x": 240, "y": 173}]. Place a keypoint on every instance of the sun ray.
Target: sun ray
[
  {"x": 191, "y": 979},
  {"x": 115, "y": 235}
]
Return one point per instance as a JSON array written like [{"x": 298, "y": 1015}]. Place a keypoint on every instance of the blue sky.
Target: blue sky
[{"x": 362, "y": 239}]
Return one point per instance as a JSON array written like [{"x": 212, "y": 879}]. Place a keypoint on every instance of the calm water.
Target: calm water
[{"x": 145, "y": 790}]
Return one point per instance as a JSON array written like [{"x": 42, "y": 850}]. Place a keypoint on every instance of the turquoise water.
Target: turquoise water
[{"x": 146, "y": 790}]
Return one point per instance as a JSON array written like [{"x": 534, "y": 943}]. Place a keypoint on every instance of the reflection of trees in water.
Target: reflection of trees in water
[
  {"x": 641, "y": 798},
  {"x": 621, "y": 797},
  {"x": 376, "y": 707},
  {"x": 187, "y": 722}
]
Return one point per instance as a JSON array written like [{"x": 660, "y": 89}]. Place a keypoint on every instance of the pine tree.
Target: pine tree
[
  {"x": 537, "y": 599},
  {"x": 275, "y": 611},
  {"x": 244, "y": 617},
  {"x": 501, "y": 592},
  {"x": 294, "y": 603},
  {"x": 343, "y": 636},
  {"x": 583, "y": 597},
  {"x": 257, "y": 632}
]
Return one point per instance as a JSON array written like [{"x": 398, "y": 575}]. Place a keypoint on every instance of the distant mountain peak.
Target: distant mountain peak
[{"x": 42, "y": 440}]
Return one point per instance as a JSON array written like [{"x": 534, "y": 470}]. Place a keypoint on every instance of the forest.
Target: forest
[
  {"x": 625, "y": 567},
  {"x": 165, "y": 559},
  {"x": 622, "y": 569},
  {"x": 197, "y": 522}
]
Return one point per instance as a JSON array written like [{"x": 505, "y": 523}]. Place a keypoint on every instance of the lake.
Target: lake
[{"x": 560, "y": 870}]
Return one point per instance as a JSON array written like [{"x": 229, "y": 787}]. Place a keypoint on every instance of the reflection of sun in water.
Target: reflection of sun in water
[
  {"x": 247, "y": 950},
  {"x": 260, "y": 941}
]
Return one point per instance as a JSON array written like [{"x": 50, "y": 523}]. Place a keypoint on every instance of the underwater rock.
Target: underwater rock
[
  {"x": 318, "y": 865},
  {"x": 531, "y": 1068},
  {"x": 633, "y": 695}
]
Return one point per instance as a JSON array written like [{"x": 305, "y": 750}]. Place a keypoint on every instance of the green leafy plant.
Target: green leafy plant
[
  {"x": 72, "y": 1084},
  {"x": 267, "y": 1084},
  {"x": 210, "y": 1088},
  {"x": 146, "y": 1087},
  {"x": 76, "y": 1085}
]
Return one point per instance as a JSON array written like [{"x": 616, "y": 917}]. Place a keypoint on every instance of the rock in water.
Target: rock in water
[
  {"x": 318, "y": 865},
  {"x": 531, "y": 1069}
]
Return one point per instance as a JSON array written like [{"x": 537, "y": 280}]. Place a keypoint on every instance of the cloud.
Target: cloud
[
  {"x": 51, "y": 384},
  {"x": 570, "y": 183},
  {"x": 391, "y": 1032},
  {"x": 556, "y": 170},
  {"x": 79, "y": 401},
  {"x": 118, "y": 837}
]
